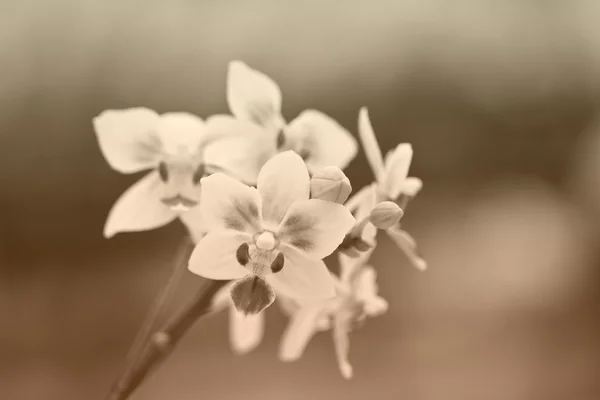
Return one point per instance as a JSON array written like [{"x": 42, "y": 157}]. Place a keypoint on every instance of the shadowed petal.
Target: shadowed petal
[
  {"x": 193, "y": 221},
  {"x": 397, "y": 164},
  {"x": 322, "y": 139},
  {"x": 412, "y": 186},
  {"x": 349, "y": 265},
  {"x": 366, "y": 196},
  {"x": 242, "y": 152},
  {"x": 315, "y": 227},
  {"x": 128, "y": 139},
  {"x": 302, "y": 278},
  {"x": 282, "y": 180},
  {"x": 299, "y": 331},
  {"x": 226, "y": 203},
  {"x": 245, "y": 331},
  {"x": 139, "y": 208},
  {"x": 251, "y": 295},
  {"x": 214, "y": 257},
  {"x": 341, "y": 342},
  {"x": 408, "y": 245},
  {"x": 222, "y": 299},
  {"x": 252, "y": 95},
  {"x": 370, "y": 145}
]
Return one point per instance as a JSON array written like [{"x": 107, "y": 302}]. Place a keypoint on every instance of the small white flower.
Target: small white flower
[
  {"x": 320, "y": 140},
  {"x": 180, "y": 148},
  {"x": 273, "y": 235},
  {"x": 356, "y": 300},
  {"x": 392, "y": 183}
]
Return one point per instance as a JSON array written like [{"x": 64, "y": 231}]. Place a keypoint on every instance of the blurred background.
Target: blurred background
[{"x": 499, "y": 99}]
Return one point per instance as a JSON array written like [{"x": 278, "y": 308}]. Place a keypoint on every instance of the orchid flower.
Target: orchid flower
[
  {"x": 392, "y": 183},
  {"x": 180, "y": 149},
  {"x": 254, "y": 97},
  {"x": 356, "y": 300},
  {"x": 271, "y": 237}
]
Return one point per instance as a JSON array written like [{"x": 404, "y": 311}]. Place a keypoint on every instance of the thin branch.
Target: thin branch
[
  {"x": 160, "y": 302},
  {"x": 164, "y": 341}
]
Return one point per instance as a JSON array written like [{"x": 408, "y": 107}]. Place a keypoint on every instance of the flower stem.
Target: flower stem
[
  {"x": 159, "y": 304},
  {"x": 162, "y": 342}
]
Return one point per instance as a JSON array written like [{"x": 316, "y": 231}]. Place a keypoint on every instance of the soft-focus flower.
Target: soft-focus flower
[
  {"x": 180, "y": 148},
  {"x": 392, "y": 183},
  {"x": 319, "y": 139},
  {"x": 356, "y": 300},
  {"x": 273, "y": 236}
]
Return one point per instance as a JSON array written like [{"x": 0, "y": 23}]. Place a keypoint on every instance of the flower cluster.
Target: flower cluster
[{"x": 265, "y": 201}]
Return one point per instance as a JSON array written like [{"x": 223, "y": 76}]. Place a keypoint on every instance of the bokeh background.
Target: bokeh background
[{"x": 499, "y": 99}]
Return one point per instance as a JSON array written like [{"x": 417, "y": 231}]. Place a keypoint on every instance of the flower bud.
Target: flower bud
[
  {"x": 330, "y": 184},
  {"x": 386, "y": 214}
]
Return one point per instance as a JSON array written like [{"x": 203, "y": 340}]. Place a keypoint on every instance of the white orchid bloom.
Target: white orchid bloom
[
  {"x": 320, "y": 140},
  {"x": 356, "y": 300},
  {"x": 180, "y": 148},
  {"x": 392, "y": 183},
  {"x": 271, "y": 237}
]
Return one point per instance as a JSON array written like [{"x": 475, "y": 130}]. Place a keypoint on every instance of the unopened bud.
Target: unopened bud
[
  {"x": 386, "y": 214},
  {"x": 330, "y": 184}
]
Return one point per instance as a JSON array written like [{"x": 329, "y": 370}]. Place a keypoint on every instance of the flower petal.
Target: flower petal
[
  {"x": 229, "y": 204},
  {"x": 370, "y": 145},
  {"x": 214, "y": 257},
  {"x": 302, "y": 278},
  {"x": 128, "y": 139},
  {"x": 245, "y": 331},
  {"x": 193, "y": 221},
  {"x": 181, "y": 133},
  {"x": 349, "y": 265},
  {"x": 251, "y": 295},
  {"x": 408, "y": 245},
  {"x": 341, "y": 343},
  {"x": 222, "y": 299},
  {"x": 139, "y": 208},
  {"x": 299, "y": 331},
  {"x": 321, "y": 139},
  {"x": 397, "y": 164},
  {"x": 252, "y": 95},
  {"x": 282, "y": 180},
  {"x": 412, "y": 186},
  {"x": 367, "y": 194},
  {"x": 315, "y": 227},
  {"x": 241, "y": 152}
]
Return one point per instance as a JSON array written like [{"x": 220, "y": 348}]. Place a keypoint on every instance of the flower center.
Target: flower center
[
  {"x": 265, "y": 241},
  {"x": 260, "y": 261}
]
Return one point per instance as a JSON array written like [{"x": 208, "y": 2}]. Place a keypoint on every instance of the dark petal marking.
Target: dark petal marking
[
  {"x": 242, "y": 254},
  {"x": 251, "y": 295},
  {"x": 277, "y": 264},
  {"x": 260, "y": 113},
  {"x": 163, "y": 171},
  {"x": 280, "y": 140},
  {"x": 198, "y": 174},
  {"x": 295, "y": 223},
  {"x": 361, "y": 245},
  {"x": 244, "y": 215},
  {"x": 177, "y": 200},
  {"x": 302, "y": 244}
]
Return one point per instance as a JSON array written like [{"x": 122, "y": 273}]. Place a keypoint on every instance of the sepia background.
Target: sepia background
[{"x": 499, "y": 99}]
